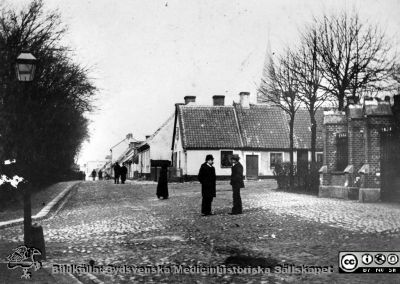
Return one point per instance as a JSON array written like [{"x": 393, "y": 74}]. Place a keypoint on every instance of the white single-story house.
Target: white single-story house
[
  {"x": 129, "y": 157},
  {"x": 156, "y": 150},
  {"x": 258, "y": 133}
]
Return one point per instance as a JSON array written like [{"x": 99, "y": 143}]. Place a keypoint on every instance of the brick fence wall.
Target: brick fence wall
[{"x": 363, "y": 125}]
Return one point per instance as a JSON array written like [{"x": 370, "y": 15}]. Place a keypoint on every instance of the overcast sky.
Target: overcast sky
[{"x": 147, "y": 55}]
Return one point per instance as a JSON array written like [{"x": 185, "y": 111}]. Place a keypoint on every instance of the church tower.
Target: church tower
[{"x": 264, "y": 75}]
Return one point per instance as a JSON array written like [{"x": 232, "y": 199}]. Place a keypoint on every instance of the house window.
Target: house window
[
  {"x": 342, "y": 151},
  {"x": 275, "y": 158},
  {"x": 320, "y": 158},
  {"x": 226, "y": 159},
  {"x": 179, "y": 158}
]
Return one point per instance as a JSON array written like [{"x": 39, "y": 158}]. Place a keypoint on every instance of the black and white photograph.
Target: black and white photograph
[{"x": 199, "y": 141}]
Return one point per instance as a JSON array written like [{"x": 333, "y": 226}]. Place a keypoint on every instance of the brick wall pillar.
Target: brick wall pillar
[
  {"x": 373, "y": 155},
  {"x": 356, "y": 130},
  {"x": 334, "y": 123},
  {"x": 377, "y": 115}
]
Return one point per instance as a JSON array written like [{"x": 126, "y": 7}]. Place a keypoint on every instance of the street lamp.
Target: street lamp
[
  {"x": 25, "y": 70},
  {"x": 25, "y": 67}
]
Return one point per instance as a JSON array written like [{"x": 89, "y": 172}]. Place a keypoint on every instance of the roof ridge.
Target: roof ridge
[
  {"x": 159, "y": 129},
  {"x": 203, "y": 106}
]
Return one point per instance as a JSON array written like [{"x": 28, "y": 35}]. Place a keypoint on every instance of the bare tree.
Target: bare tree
[
  {"x": 43, "y": 122},
  {"x": 355, "y": 55},
  {"x": 279, "y": 88},
  {"x": 306, "y": 70},
  {"x": 396, "y": 77}
]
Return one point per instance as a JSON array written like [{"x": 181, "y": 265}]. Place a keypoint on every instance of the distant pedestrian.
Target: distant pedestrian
[
  {"x": 124, "y": 172},
  {"x": 100, "y": 175},
  {"x": 237, "y": 183},
  {"x": 94, "y": 174},
  {"x": 117, "y": 172},
  {"x": 162, "y": 186},
  {"x": 207, "y": 179}
]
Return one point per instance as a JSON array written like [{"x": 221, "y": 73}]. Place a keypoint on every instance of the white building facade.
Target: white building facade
[{"x": 259, "y": 134}]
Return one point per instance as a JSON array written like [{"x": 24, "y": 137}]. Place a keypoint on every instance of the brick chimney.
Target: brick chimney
[
  {"x": 189, "y": 99},
  {"x": 218, "y": 100},
  {"x": 244, "y": 99}
]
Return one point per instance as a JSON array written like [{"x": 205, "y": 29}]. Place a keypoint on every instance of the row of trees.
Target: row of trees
[
  {"x": 338, "y": 56},
  {"x": 42, "y": 123}
]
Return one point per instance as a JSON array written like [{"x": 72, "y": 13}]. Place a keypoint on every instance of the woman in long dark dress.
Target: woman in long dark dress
[{"x": 162, "y": 186}]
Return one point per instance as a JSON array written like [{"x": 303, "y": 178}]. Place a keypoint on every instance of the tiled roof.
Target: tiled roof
[
  {"x": 234, "y": 127},
  {"x": 263, "y": 126},
  {"x": 302, "y": 129},
  {"x": 209, "y": 127}
]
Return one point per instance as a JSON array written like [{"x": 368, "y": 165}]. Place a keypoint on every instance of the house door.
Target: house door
[
  {"x": 251, "y": 166},
  {"x": 390, "y": 165}
]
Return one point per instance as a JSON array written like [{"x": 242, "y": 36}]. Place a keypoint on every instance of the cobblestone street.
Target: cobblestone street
[
  {"x": 126, "y": 224},
  {"x": 349, "y": 214}
]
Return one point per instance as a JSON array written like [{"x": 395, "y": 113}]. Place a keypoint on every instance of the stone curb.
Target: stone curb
[
  {"x": 74, "y": 279},
  {"x": 51, "y": 206},
  {"x": 64, "y": 278},
  {"x": 90, "y": 278}
]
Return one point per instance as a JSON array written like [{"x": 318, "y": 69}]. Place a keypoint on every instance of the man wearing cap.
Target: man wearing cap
[
  {"x": 207, "y": 179},
  {"x": 237, "y": 183}
]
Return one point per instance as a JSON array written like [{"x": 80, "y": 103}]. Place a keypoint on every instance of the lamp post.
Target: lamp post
[{"x": 25, "y": 71}]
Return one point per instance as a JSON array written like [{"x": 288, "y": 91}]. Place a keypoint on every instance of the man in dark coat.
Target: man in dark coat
[
  {"x": 207, "y": 179},
  {"x": 94, "y": 174},
  {"x": 117, "y": 172},
  {"x": 237, "y": 183},
  {"x": 123, "y": 172},
  {"x": 100, "y": 175},
  {"x": 162, "y": 186}
]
